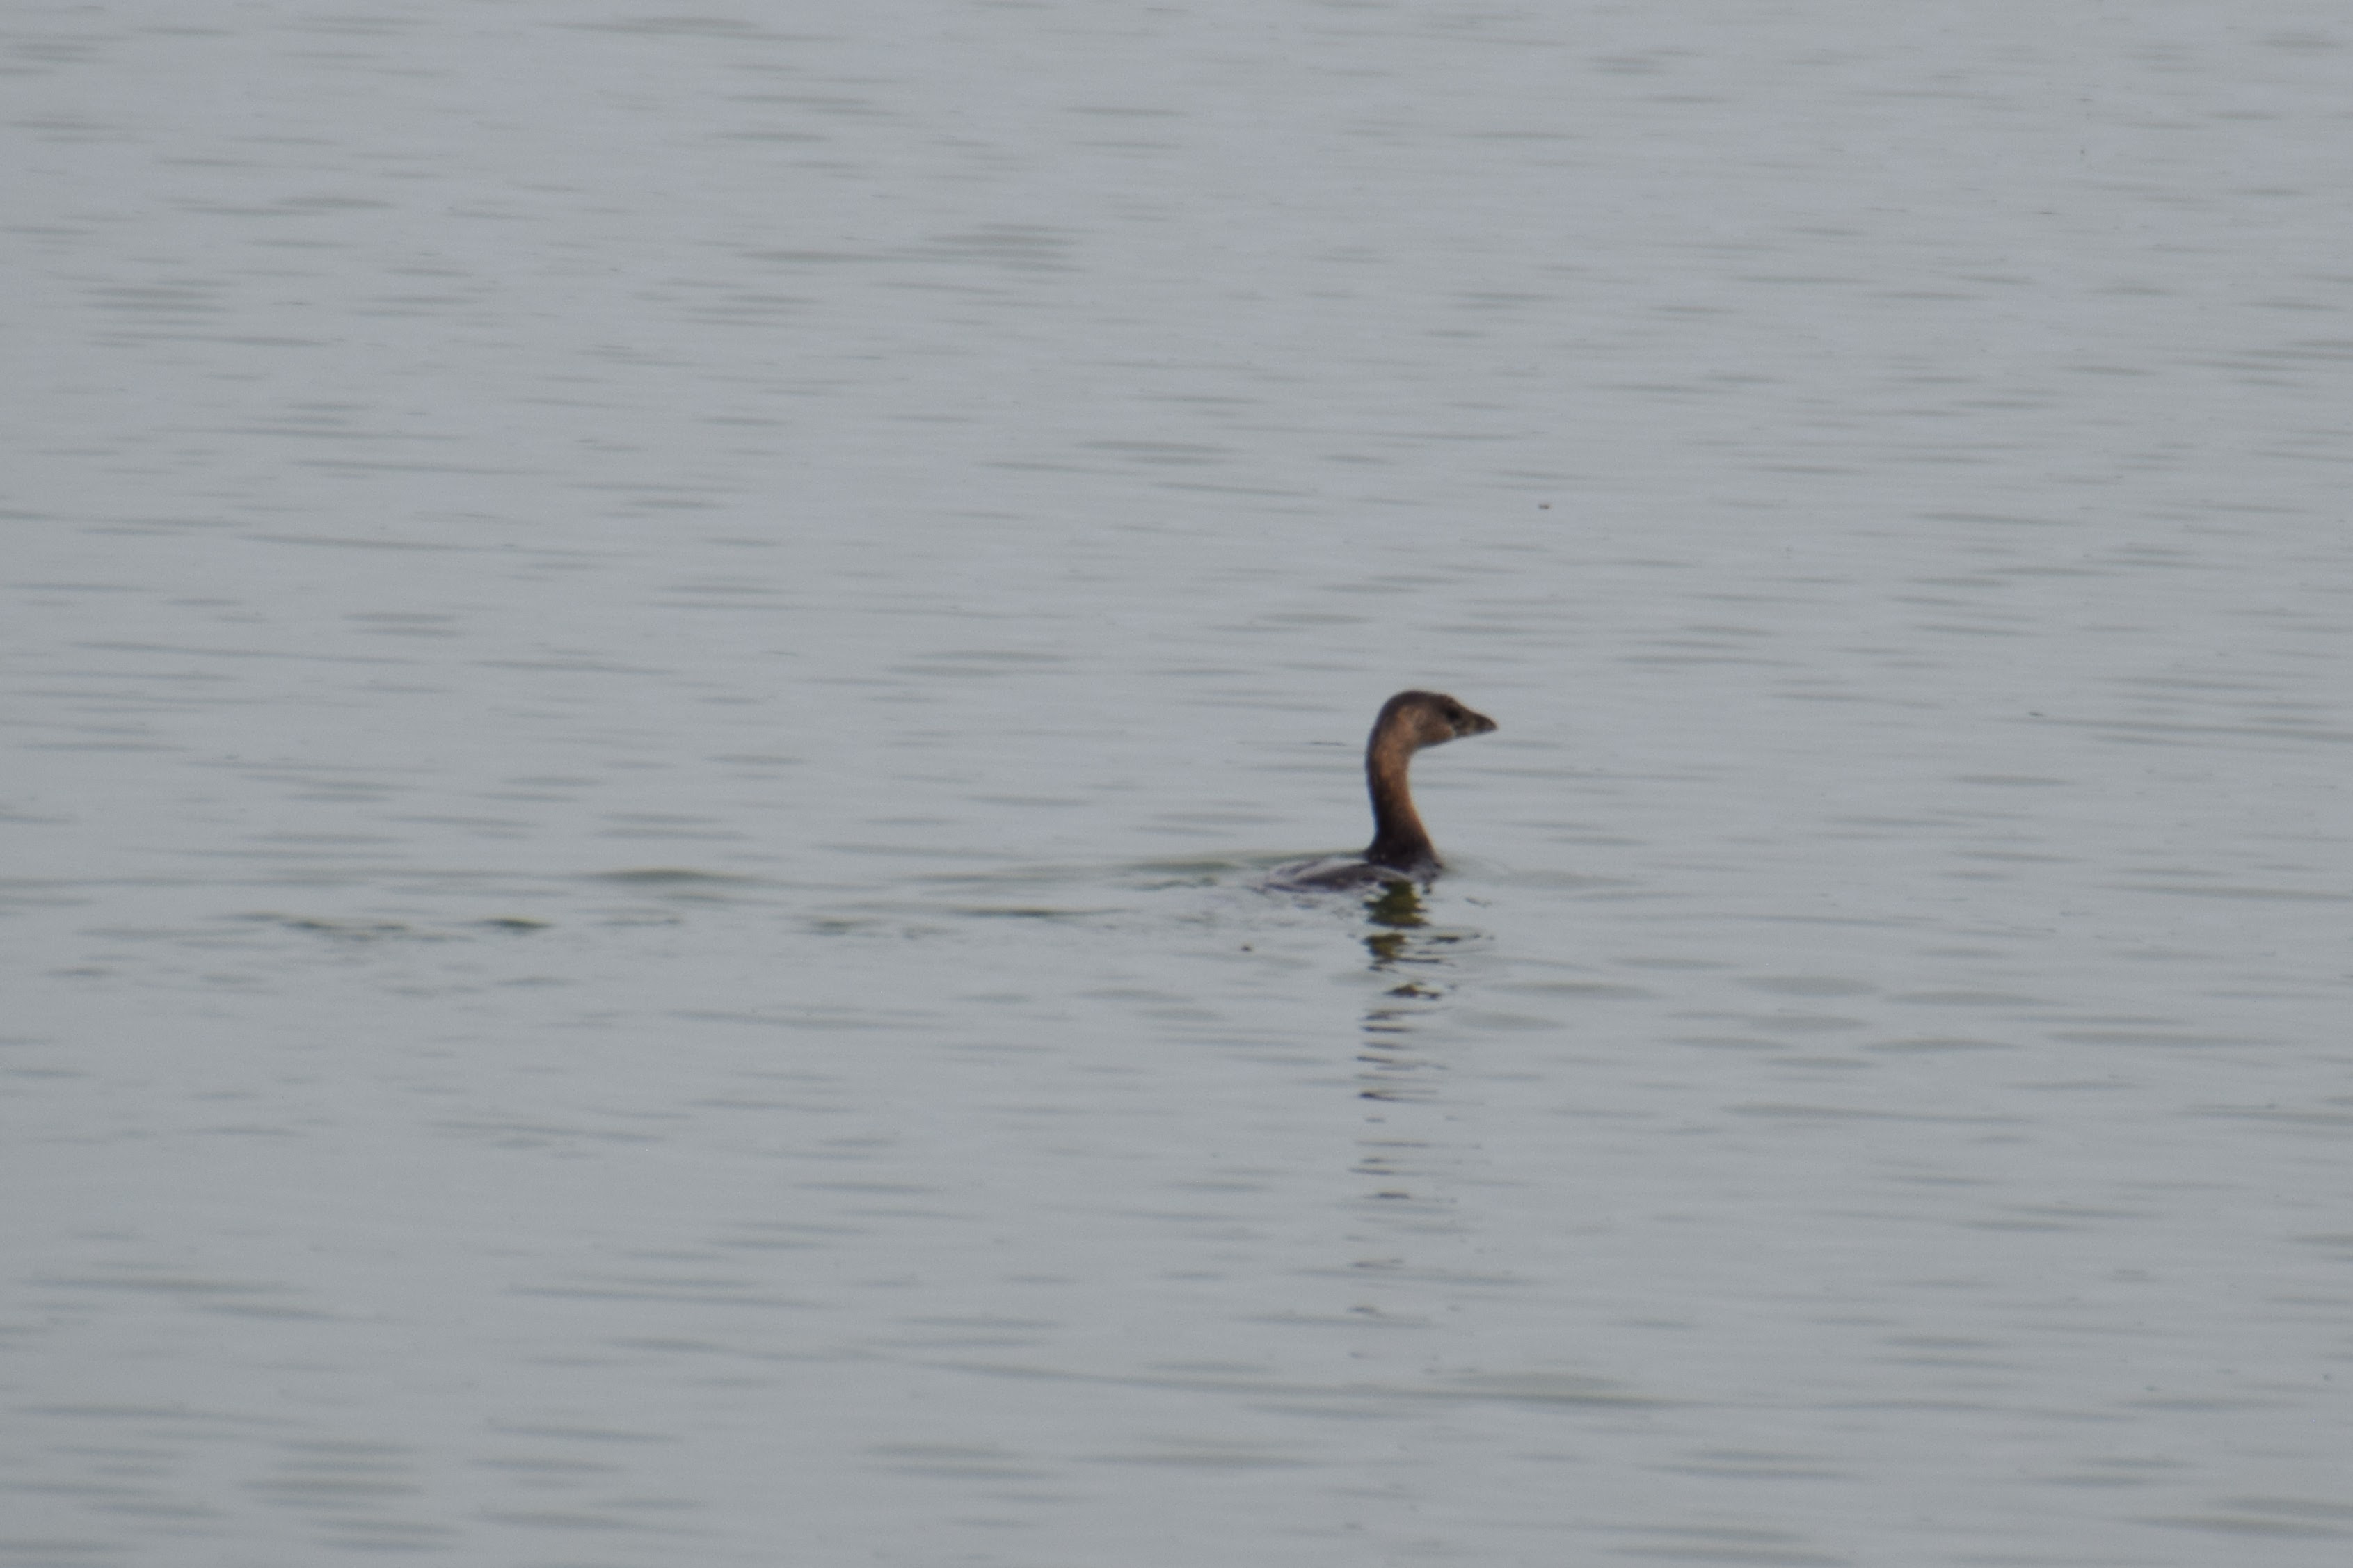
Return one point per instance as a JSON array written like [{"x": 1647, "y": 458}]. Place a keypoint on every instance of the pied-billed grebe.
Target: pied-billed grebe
[{"x": 1400, "y": 845}]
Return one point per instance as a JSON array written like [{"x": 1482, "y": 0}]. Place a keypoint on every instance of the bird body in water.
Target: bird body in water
[{"x": 1400, "y": 849}]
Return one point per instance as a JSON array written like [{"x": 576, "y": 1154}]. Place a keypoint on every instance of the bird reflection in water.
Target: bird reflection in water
[
  {"x": 1401, "y": 942},
  {"x": 1409, "y": 1171},
  {"x": 1398, "y": 910}
]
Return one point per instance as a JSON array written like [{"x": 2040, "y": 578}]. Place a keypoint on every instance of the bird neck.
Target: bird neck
[{"x": 1399, "y": 840}]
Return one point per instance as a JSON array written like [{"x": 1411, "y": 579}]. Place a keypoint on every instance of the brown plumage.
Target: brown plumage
[{"x": 1400, "y": 847}]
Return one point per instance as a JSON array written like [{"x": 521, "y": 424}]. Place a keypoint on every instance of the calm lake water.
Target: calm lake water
[{"x": 650, "y": 661}]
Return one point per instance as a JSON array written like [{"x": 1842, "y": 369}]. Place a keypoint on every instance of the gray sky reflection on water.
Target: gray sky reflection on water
[{"x": 651, "y": 662}]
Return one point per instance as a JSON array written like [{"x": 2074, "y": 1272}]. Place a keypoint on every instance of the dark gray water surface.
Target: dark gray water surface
[{"x": 650, "y": 661}]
